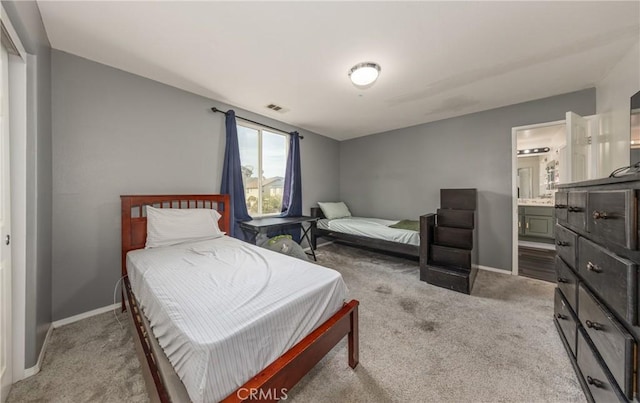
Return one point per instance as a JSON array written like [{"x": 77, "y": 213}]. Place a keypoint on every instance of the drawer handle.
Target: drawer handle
[
  {"x": 562, "y": 280},
  {"x": 599, "y": 215},
  {"x": 562, "y": 243},
  {"x": 594, "y": 382},
  {"x": 560, "y": 206},
  {"x": 574, "y": 209},
  {"x": 594, "y": 268},
  {"x": 593, "y": 325},
  {"x": 561, "y": 316}
]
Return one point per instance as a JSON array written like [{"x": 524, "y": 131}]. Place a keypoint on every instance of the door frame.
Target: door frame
[
  {"x": 18, "y": 151},
  {"x": 514, "y": 188}
]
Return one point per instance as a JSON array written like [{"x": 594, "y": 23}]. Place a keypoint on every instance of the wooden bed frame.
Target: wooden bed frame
[
  {"x": 420, "y": 251},
  {"x": 162, "y": 382}
]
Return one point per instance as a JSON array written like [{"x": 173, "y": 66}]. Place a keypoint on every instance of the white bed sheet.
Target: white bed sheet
[
  {"x": 371, "y": 227},
  {"x": 223, "y": 310}
]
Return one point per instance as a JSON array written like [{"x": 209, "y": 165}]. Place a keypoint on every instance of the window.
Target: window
[{"x": 263, "y": 156}]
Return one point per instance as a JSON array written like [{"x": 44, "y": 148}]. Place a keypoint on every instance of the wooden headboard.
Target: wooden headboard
[
  {"x": 134, "y": 215},
  {"x": 317, "y": 212}
]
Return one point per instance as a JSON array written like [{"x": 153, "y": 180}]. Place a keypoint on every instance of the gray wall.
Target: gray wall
[
  {"x": 25, "y": 18},
  {"x": 399, "y": 174},
  {"x": 117, "y": 133},
  {"x": 613, "y": 94}
]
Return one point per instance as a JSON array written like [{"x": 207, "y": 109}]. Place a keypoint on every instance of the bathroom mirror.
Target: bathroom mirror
[{"x": 525, "y": 185}]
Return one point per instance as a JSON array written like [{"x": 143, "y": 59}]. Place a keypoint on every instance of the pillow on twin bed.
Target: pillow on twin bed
[
  {"x": 167, "y": 226},
  {"x": 334, "y": 210}
]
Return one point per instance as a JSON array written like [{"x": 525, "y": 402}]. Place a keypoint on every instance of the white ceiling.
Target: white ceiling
[{"x": 439, "y": 59}]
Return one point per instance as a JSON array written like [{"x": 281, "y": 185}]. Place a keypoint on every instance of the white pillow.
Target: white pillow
[
  {"x": 167, "y": 226},
  {"x": 334, "y": 210}
]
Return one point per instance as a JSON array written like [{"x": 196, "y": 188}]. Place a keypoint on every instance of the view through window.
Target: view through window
[{"x": 263, "y": 157}]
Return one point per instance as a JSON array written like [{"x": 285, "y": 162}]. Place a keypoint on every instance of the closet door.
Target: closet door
[{"x": 6, "y": 373}]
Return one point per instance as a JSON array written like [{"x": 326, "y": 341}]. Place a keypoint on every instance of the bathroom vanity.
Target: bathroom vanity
[{"x": 536, "y": 220}]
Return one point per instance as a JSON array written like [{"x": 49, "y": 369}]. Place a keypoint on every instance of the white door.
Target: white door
[
  {"x": 578, "y": 150},
  {"x": 597, "y": 165},
  {"x": 6, "y": 373}
]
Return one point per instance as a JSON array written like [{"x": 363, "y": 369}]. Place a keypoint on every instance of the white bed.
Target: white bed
[
  {"x": 371, "y": 227},
  {"x": 240, "y": 308}
]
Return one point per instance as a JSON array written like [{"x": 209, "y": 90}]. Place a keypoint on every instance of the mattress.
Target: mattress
[
  {"x": 223, "y": 310},
  {"x": 371, "y": 227}
]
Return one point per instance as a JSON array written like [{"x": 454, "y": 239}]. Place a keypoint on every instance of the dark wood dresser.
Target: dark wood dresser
[{"x": 596, "y": 301}]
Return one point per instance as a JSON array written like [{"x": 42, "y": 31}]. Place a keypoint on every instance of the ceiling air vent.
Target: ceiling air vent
[{"x": 277, "y": 108}]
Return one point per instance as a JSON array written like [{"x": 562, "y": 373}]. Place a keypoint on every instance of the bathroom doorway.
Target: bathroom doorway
[{"x": 539, "y": 155}]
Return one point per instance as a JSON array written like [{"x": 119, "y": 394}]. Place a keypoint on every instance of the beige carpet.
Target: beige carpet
[
  {"x": 418, "y": 343},
  {"x": 92, "y": 360}
]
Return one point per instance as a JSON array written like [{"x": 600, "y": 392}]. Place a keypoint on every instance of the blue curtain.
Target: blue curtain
[
  {"x": 292, "y": 197},
  {"x": 232, "y": 178}
]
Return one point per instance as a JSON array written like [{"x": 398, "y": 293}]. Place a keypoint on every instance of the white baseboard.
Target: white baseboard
[
  {"x": 36, "y": 368},
  {"x": 85, "y": 315},
  {"x": 493, "y": 269}
]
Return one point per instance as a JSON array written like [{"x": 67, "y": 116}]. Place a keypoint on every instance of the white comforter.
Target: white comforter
[
  {"x": 371, "y": 227},
  {"x": 223, "y": 309}
]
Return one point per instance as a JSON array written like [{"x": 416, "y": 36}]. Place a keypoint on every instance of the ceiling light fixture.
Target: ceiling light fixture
[{"x": 364, "y": 74}]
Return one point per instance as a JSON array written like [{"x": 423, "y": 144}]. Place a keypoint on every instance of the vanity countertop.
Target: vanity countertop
[{"x": 547, "y": 202}]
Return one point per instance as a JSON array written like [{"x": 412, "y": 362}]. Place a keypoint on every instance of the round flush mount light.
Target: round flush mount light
[{"x": 364, "y": 74}]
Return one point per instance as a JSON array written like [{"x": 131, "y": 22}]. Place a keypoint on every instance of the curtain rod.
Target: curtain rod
[{"x": 253, "y": 121}]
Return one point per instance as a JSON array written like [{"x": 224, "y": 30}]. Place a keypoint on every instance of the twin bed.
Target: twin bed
[
  {"x": 218, "y": 319},
  {"x": 374, "y": 233}
]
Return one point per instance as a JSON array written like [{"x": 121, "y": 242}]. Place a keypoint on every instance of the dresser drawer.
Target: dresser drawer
[
  {"x": 576, "y": 210},
  {"x": 613, "y": 278},
  {"x": 446, "y": 256},
  {"x": 456, "y": 218},
  {"x": 601, "y": 384},
  {"x": 565, "y": 317},
  {"x": 612, "y": 217},
  {"x": 610, "y": 338},
  {"x": 567, "y": 245},
  {"x": 455, "y": 237},
  {"x": 561, "y": 206},
  {"x": 567, "y": 283}
]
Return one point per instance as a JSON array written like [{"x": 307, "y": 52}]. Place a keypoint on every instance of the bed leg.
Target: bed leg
[
  {"x": 314, "y": 237},
  {"x": 427, "y": 224},
  {"x": 124, "y": 306},
  {"x": 354, "y": 343}
]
